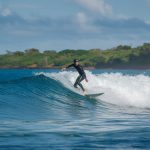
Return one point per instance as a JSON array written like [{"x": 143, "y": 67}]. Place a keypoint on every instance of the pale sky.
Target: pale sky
[{"x": 73, "y": 24}]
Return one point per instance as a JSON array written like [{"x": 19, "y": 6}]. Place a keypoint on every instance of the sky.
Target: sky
[{"x": 73, "y": 24}]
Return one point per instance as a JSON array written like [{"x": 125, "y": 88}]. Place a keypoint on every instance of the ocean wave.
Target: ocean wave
[
  {"x": 51, "y": 94},
  {"x": 119, "y": 89},
  {"x": 37, "y": 97}
]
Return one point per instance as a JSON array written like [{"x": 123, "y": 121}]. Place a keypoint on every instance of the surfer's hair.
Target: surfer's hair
[{"x": 75, "y": 60}]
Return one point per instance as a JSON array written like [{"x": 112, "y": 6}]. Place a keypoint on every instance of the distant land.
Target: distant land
[{"x": 120, "y": 57}]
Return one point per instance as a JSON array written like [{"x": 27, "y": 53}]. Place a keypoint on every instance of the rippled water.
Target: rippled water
[{"x": 40, "y": 109}]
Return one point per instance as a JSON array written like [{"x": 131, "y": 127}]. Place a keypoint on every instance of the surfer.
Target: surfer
[{"x": 82, "y": 75}]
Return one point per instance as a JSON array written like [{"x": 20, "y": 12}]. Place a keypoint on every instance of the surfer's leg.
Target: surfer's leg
[{"x": 77, "y": 81}]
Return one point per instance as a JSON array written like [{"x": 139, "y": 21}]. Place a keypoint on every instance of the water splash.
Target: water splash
[{"x": 119, "y": 89}]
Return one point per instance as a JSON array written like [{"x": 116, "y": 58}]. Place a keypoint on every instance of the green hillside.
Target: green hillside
[{"x": 122, "y": 56}]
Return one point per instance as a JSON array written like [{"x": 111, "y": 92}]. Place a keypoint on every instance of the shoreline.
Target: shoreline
[{"x": 87, "y": 68}]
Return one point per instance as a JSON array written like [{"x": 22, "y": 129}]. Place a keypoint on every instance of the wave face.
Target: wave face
[{"x": 42, "y": 110}]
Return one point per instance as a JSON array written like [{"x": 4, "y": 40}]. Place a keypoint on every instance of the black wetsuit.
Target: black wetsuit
[{"x": 81, "y": 76}]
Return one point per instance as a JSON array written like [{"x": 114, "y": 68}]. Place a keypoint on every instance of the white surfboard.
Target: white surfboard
[{"x": 93, "y": 95}]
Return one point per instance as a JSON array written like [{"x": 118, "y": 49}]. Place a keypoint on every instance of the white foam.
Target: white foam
[{"x": 118, "y": 88}]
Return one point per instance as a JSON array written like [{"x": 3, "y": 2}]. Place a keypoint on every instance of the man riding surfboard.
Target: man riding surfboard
[{"x": 82, "y": 75}]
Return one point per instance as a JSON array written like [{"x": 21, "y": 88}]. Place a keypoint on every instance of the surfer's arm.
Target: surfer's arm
[{"x": 72, "y": 65}]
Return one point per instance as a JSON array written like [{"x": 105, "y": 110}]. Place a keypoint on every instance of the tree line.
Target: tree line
[{"x": 122, "y": 56}]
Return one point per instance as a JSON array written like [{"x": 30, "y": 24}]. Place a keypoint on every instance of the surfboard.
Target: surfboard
[{"x": 93, "y": 95}]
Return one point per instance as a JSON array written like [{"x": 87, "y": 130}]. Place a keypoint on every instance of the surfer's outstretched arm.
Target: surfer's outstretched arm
[{"x": 72, "y": 65}]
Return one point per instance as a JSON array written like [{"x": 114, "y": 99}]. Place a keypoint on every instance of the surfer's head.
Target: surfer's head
[{"x": 76, "y": 61}]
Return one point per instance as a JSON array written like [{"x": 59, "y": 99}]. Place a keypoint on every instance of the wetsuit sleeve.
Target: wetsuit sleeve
[{"x": 72, "y": 65}]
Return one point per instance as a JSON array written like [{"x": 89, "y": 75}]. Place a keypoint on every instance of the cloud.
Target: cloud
[
  {"x": 6, "y": 12},
  {"x": 81, "y": 27},
  {"x": 121, "y": 23},
  {"x": 86, "y": 23},
  {"x": 98, "y": 6},
  {"x": 82, "y": 20},
  {"x": 19, "y": 26}
]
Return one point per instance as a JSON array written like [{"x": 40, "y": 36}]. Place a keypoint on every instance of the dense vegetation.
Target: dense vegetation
[{"x": 122, "y": 56}]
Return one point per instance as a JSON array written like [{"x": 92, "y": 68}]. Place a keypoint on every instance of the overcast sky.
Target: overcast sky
[{"x": 74, "y": 24}]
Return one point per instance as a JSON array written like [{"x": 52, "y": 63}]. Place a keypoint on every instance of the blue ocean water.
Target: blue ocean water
[{"x": 40, "y": 109}]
